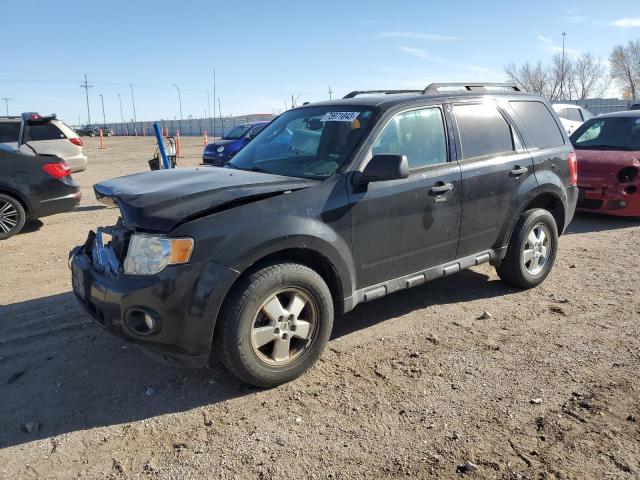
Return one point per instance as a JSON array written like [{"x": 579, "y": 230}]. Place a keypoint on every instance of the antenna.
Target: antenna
[{"x": 330, "y": 93}]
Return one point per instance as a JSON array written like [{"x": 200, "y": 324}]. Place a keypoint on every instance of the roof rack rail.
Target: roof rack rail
[
  {"x": 470, "y": 87},
  {"x": 355, "y": 93}
]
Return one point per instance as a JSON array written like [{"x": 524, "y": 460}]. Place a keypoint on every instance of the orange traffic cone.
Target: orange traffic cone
[
  {"x": 178, "y": 149},
  {"x": 206, "y": 140}
]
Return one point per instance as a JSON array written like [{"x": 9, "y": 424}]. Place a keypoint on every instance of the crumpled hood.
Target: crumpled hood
[
  {"x": 606, "y": 160},
  {"x": 162, "y": 199}
]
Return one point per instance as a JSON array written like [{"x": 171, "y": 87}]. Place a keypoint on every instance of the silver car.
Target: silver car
[{"x": 48, "y": 135}]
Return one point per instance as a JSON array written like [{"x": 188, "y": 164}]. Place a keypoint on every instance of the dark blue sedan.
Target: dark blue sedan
[{"x": 222, "y": 150}]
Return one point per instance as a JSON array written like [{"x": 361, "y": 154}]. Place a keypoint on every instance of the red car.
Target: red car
[{"x": 608, "y": 151}]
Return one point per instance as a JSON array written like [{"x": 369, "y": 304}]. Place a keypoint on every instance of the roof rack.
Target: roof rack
[
  {"x": 470, "y": 87},
  {"x": 355, "y": 93}
]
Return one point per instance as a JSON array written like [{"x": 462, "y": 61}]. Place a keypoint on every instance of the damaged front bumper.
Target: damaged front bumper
[
  {"x": 171, "y": 314},
  {"x": 618, "y": 199}
]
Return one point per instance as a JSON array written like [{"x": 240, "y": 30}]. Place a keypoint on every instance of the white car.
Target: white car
[
  {"x": 44, "y": 135},
  {"x": 571, "y": 116}
]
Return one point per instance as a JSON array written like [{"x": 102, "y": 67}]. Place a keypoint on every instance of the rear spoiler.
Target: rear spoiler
[{"x": 32, "y": 118}]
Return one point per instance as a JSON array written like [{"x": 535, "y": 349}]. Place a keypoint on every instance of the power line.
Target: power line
[{"x": 86, "y": 87}]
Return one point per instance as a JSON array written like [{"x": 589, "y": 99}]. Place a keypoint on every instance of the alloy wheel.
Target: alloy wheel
[
  {"x": 537, "y": 249},
  {"x": 284, "y": 326},
  {"x": 8, "y": 216}
]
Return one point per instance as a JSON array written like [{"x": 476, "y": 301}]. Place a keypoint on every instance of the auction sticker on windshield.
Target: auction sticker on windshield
[{"x": 339, "y": 116}]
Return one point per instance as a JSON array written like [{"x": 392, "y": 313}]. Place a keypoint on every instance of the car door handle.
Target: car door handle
[
  {"x": 517, "y": 171},
  {"x": 440, "y": 188}
]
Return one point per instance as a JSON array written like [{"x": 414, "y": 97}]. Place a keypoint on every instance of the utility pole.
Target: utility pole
[
  {"x": 208, "y": 104},
  {"x": 219, "y": 109},
  {"x": 330, "y": 93},
  {"x": 121, "y": 116},
  {"x": 214, "y": 101},
  {"x": 86, "y": 87},
  {"x": 179, "y": 99},
  {"x": 6, "y": 104},
  {"x": 104, "y": 119},
  {"x": 133, "y": 102},
  {"x": 564, "y": 35}
]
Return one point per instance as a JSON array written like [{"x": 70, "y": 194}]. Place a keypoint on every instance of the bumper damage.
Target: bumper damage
[{"x": 171, "y": 315}]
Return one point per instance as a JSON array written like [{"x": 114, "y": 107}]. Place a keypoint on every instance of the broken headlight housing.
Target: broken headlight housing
[{"x": 150, "y": 254}]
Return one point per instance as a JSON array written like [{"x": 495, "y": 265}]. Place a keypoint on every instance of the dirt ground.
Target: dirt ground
[{"x": 412, "y": 385}]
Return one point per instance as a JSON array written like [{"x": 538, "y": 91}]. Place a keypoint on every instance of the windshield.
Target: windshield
[
  {"x": 308, "y": 142},
  {"x": 612, "y": 133},
  {"x": 237, "y": 132}
]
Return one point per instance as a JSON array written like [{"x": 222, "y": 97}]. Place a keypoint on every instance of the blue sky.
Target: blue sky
[{"x": 264, "y": 52}]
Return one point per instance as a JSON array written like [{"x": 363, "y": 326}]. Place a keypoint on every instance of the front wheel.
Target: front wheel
[
  {"x": 275, "y": 324},
  {"x": 532, "y": 250}
]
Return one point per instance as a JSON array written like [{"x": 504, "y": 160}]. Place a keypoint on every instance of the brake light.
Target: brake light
[
  {"x": 573, "y": 168},
  {"x": 35, "y": 116},
  {"x": 57, "y": 170},
  {"x": 76, "y": 141}
]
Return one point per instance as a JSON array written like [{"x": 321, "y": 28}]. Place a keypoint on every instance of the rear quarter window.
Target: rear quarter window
[
  {"x": 9, "y": 132},
  {"x": 539, "y": 122},
  {"x": 44, "y": 131}
]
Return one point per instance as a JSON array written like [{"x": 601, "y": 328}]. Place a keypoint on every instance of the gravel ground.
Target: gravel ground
[{"x": 411, "y": 385}]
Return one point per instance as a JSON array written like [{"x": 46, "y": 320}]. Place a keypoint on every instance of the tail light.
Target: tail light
[
  {"x": 57, "y": 170},
  {"x": 573, "y": 168},
  {"x": 76, "y": 141}
]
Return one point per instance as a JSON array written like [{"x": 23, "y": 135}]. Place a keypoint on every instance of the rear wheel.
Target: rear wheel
[
  {"x": 12, "y": 216},
  {"x": 275, "y": 324},
  {"x": 532, "y": 250}
]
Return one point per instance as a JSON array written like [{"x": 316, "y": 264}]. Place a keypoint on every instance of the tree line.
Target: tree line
[{"x": 583, "y": 76}]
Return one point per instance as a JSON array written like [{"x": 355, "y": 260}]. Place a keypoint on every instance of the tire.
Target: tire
[
  {"x": 525, "y": 243},
  {"x": 250, "y": 317},
  {"x": 12, "y": 216},
  {"x": 92, "y": 134}
]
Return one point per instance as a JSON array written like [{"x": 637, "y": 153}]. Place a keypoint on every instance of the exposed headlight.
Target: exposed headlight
[
  {"x": 220, "y": 149},
  {"x": 150, "y": 254}
]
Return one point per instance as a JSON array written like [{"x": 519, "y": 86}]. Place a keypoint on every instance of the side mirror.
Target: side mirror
[{"x": 385, "y": 167}]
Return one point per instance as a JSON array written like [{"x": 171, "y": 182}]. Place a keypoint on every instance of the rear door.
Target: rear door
[
  {"x": 404, "y": 226},
  {"x": 496, "y": 172}
]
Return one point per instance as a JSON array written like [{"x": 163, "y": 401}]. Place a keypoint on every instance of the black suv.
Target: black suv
[{"x": 332, "y": 204}]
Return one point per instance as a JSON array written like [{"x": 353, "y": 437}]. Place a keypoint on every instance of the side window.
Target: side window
[
  {"x": 562, "y": 113},
  {"x": 9, "y": 132},
  {"x": 418, "y": 134},
  {"x": 256, "y": 130},
  {"x": 483, "y": 131},
  {"x": 539, "y": 121},
  {"x": 44, "y": 131},
  {"x": 586, "y": 114},
  {"x": 573, "y": 114}
]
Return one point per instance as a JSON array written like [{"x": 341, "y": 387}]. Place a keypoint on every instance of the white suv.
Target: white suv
[
  {"x": 48, "y": 136},
  {"x": 571, "y": 116}
]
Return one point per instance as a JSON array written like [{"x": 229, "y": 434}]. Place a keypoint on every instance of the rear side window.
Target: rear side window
[
  {"x": 9, "y": 132},
  {"x": 44, "y": 131},
  {"x": 573, "y": 114},
  {"x": 418, "y": 134},
  {"x": 540, "y": 123},
  {"x": 483, "y": 131}
]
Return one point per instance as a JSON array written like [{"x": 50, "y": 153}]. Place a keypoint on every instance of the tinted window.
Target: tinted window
[
  {"x": 44, "y": 131},
  {"x": 586, "y": 114},
  {"x": 539, "y": 122},
  {"x": 613, "y": 133},
  {"x": 483, "y": 130},
  {"x": 418, "y": 134},
  {"x": 9, "y": 132},
  {"x": 256, "y": 130}
]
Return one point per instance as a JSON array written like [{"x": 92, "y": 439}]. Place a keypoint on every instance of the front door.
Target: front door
[{"x": 404, "y": 226}]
